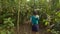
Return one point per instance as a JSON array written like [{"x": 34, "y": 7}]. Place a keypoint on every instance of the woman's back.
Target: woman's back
[{"x": 34, "y": 19}]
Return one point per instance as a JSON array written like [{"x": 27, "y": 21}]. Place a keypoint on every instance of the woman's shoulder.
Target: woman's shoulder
[{"x": 31, "y": 16}]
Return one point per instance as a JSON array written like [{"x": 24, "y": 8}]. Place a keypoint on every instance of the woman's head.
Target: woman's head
[{"x": 35, "y": 13}]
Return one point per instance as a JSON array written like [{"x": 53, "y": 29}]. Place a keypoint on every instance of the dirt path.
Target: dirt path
[{"x": 26, "y": 29}]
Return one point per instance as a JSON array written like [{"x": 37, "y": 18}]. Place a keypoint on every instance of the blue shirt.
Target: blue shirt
[{"x": 34, "y": 20}]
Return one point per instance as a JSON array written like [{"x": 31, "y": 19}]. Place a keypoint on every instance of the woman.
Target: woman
[{"x": 34, "y": 20}]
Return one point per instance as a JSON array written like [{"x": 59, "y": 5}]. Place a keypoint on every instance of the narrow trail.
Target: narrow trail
[{"x": 26, "y": 29}]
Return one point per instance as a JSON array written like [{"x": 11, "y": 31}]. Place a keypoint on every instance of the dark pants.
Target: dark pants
[{"x": 35, "y": 28}]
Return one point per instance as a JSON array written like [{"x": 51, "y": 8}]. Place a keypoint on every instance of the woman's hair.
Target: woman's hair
[{"x": 35, "y": 12}]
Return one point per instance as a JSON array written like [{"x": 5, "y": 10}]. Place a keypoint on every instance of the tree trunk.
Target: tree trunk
[{"x": 18, "y": 17}]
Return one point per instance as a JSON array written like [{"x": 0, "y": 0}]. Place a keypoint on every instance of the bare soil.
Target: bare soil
[{"x": 26, "y": 29}]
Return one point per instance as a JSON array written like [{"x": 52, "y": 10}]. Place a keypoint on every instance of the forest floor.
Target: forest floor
[{"x": 26, "y": 29}]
